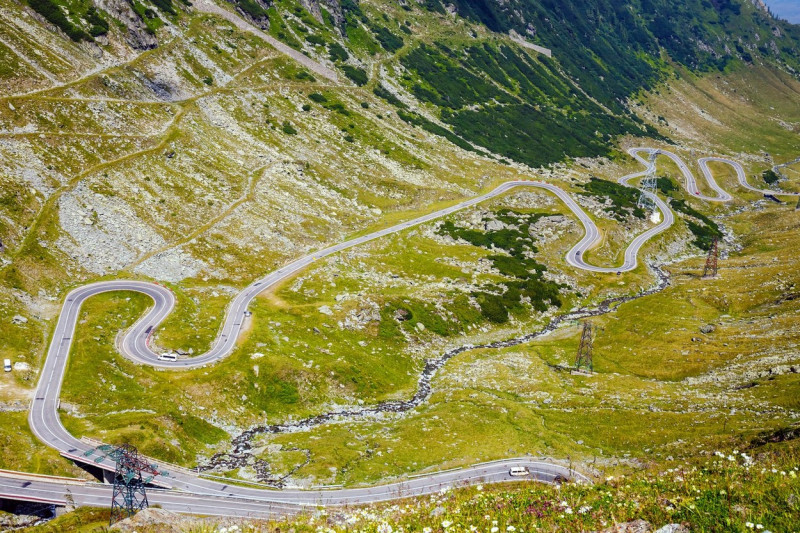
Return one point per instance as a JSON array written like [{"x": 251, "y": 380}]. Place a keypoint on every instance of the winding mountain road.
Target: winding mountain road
[{"x": 46, "y": 424}]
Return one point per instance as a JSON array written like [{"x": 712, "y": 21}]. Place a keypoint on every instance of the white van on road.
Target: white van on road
[
  {"x": 167, "y": 357},
  {"x": 518, "y": 471}
]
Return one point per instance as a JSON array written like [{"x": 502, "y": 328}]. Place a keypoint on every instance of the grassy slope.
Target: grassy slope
[{"x": 534, "y": 427}]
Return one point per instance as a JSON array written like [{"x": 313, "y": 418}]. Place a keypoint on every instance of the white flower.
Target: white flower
[
  {"x": 731, "y": 458},
  {"x": 511, "y": 528},
  {"x": 473, "y": 528},
  {"x": 722, "y": 493},
  {"x": 495, "y": 529},
  {"x": 749, "y": 525},
  {"x": 426, "y": 530},
  {"x": 384, "y": 528},
  {"x": 585, "y": 509},
  {"x": 759, "y": 526},
  {"x": 479, "y": 487},
  {"x": 446, "y": 524}
]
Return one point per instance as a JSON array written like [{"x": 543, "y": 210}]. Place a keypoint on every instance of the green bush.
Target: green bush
[
  {"x": 624, "y": 199},
  {"x": 526, "y": 281},
  {"x": 382, "y": 92},
  {"x": 356, "y": 75},
  {"x": 770, "y": 177},
  {"x": 704, "y": 230},
  {"x": 388, "y": 40},
  {"x": 52, "y": 12},
  {"x": 252, "y": 8},
  {"x": 432, "y": 127},
  {"x": 99, "y": 25},
  {"x": 288, "y": 128},
  {"x": 318, "y": 98},
  {"x": 313, "y": 38},
  {"x": 337, "y": 52}
]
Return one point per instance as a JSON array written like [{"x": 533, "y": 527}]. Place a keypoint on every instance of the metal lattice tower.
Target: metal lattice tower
[
  {"x": 131, "y": 475},
  {"x": 710, "y": 271},
  {"x": 584, "y": 357},
  {"x": 648, "y": 185}
]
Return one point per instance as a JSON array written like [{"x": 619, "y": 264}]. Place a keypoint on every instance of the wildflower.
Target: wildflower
[
  {"x": 610, "y": 478},
  {"x": 585, "y": 509},
  {"x": 722, "y": 493},
  {"x": 759, "y": 526},
  {"x": 495, "y": 529},
  {"x": 749, "y": 525},
  {"x": 486, "y": 517},
  {"x": 511, "y": 528},
  {"x": 426, "y": 530},
  {"x": 731, "y": 458},
  {"x": 383, "y": 527},
  {"x": 446, "y": 524},
  {"x": 568, "y": 510},
  {"x": 479, "y": 487},
  {"x": 473, "y": 528},
  {"x": 792, "y": 474}
]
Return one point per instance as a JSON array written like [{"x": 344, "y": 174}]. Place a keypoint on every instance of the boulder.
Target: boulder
[
  {"x": 673, "y": 528},
  {"x": 636, "y": 526},
  {"x": 708, "y": 328},
  {"x": 19, "y": 319}
]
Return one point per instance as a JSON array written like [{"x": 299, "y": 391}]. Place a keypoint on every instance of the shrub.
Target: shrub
[
  {"x": 356, "y": 75},
  {"x": 388, "y": 40},
  {"x": 317, "y": 97},
  {"x": 52, "y": 12},
  {"x": 288, "y": 128},
  {"x": 770, "y": 177},
  {"x": 624, "y": 199},
  {"x": 337, "y": 52},
  {"x": 313, "y": 38},
  {"x": 382, "y": 92}
]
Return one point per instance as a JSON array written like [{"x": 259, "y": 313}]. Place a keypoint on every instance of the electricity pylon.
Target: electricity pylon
[
  {"x": 648, "y": 185},
  {"x": 584, "y": 357},
  {"x": 131, "y": 474},
  {"x": 710, "y": 270}
]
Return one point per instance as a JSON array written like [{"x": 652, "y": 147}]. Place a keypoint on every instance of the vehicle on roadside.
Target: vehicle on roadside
[
  {"x": 7, "y": 365},
  {"x": 168, "y": 357},
  {"x": 519, "y": 471}
]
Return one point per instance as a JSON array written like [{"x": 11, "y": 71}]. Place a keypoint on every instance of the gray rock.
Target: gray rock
[
  {"x": 673, "y": 528},
  {"x": 494, "y": 225},
  {"x": 19, "y": 319},
  {"x": 708, "y": 328},
  {"x": 437, "y": 511},
  {"x": 636, "y": 526}
]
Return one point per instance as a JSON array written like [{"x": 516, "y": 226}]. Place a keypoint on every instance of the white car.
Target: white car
[
  {"x": 519, "y": 471},
  {"x": 167, "y": 357}
]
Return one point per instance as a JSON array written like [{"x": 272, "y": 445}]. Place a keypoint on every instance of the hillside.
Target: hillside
[{"x": 204, "y": 144}]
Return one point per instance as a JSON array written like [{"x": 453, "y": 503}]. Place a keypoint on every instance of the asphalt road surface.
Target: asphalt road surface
[{"x": 239, "y": 500}]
